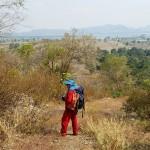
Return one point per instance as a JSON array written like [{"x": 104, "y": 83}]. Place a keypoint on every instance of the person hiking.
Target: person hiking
[{"x": 70, "y": 108}]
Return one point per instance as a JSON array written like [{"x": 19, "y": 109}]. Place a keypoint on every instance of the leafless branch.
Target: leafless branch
[{"x": 9, "y": 14}]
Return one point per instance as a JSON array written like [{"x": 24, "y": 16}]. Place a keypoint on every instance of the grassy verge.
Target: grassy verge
[{"x": 110, "y": 134}]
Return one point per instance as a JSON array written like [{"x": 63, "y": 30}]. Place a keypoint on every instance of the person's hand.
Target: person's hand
[{"x": 63, "y": 98}]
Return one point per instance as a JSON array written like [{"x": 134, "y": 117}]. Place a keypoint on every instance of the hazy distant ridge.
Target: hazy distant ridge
[{"x": 98, "y": 31}]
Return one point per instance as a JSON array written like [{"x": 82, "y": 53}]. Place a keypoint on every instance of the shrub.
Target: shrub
[
  {"x": 29, "y": 118},
  {"x": 40, "y": 85},
  {"x": 139, "y": 104},
  {"x": 7, "y": 94},
  {"x": 25, "y": 50},
  {"x": 117, "y": 73},
  {"x": 116, "y": 94}
]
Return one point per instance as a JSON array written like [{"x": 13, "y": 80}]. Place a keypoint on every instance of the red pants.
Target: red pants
[{"x": 69, "y": 114}]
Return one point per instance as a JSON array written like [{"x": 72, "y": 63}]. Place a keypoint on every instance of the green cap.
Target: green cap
[{"x": 66, "y": 76}]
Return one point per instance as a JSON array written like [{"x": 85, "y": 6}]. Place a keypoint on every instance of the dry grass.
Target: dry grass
[
  {"x": 110, "y": 45},
  {"x": 41, "y": 85},
  {"x": 25, "y": 118},
  {"x": 110, "y": 134},
  {"x": 36, "y": 82},
  {"x": 24, "y": 100},
  {"x": 106, "y": 106},
  {"x": 7, "y": 134},
  {"x": 112, "y": 130}
]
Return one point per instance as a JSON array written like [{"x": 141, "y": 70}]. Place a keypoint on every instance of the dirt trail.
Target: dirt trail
[
  {"x": 55, "y": 142},
  {"x": 52, "y": 140}
]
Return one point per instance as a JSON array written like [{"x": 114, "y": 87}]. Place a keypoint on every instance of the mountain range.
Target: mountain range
[{"x": 97, "y": 31}]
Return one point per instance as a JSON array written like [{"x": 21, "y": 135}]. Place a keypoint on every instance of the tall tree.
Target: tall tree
[
  {"x": 70, "y": 43},
  {"x": 80, "y": 48}
]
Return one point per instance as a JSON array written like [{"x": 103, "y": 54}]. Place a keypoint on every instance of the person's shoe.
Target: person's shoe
[
  {"x": 63, "y": 134},
  {"x": 75, "y": 134}
]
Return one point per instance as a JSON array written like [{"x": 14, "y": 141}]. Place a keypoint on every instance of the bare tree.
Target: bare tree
[
  {"x": 9, "y": 15},
  {"x": 70, "y": 43},
  {"x": 80, "y": 48}
]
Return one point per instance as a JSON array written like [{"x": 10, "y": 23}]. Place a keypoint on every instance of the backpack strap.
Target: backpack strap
[
  {"x": 83, "y": 109},
  {"x": 75, "y": 98},
  {"x": 82, "y": 113}
]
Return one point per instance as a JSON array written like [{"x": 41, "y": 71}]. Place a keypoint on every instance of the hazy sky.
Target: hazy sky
[{"x": 85, "y": 13}]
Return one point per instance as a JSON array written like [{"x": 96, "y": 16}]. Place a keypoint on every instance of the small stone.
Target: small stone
[
  {"x": 86, "y": 143},
  {"x": 55, "y": 141}
]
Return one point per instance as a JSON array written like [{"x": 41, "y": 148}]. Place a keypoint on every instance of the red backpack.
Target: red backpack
[{"x": 73, "y": 104}]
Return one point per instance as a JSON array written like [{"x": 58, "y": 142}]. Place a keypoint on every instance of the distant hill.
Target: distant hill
[
  {"x": 98, "y": 31},
  {"x": 42, "y": 33},
  {"x": 116, "y": 31}
]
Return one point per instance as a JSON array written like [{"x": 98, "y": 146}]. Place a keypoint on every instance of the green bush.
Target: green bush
[
  {"x": 116, "y": 94},
  {"x": 139, "y": 104}
]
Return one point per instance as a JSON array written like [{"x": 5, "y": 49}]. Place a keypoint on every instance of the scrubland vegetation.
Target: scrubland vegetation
[
  {"x": 30, "y": 88},
  {"x": 114, "y": 72}
]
